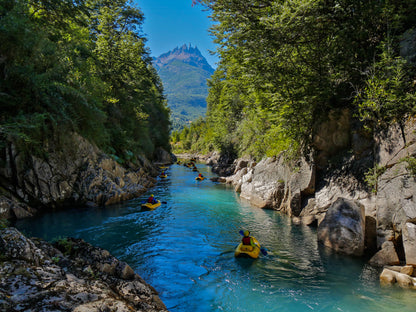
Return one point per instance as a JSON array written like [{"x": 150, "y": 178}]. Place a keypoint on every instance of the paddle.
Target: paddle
[{"x": 263, "y": 250}]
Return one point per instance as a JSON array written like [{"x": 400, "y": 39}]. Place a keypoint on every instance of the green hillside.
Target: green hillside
[{"x": 184, "y": 73}]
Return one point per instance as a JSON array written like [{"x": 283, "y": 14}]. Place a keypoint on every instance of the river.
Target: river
[{"x": 185, "y": 250}]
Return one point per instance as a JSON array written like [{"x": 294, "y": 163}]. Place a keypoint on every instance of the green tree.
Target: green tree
[
  {"x": 79, "y": 66},
  {"x": 285, "y": 64},
  {"x": 388, "y": 94}
]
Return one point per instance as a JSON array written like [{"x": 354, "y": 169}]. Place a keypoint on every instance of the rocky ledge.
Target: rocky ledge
[
  {"x": 75, "y": 174},
  {"x": 329, "y": 191},
  {"x": 70, "y": 275}
]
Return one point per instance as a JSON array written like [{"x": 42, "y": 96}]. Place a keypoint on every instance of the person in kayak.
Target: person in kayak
[
  {"x": 247, "y": 240},
  {"x": 152, "y": 199},
  {"x": 200, "y": 175}
]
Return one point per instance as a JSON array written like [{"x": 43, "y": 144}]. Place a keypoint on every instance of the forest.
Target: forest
[
  {"x": 79, "y": 66},
  {"x": 285, "y": 64}
]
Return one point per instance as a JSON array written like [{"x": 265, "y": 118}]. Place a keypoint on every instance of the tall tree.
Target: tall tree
[
  {"x": 285, "y": 64},
  {"x": 79, "y": 66}
]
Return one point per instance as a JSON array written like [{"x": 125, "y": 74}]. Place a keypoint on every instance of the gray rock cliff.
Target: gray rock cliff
[{"x": 77, "y": 173}]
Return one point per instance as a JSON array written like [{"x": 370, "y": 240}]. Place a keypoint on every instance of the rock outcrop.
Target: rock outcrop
[
  {"x": 70, "y": 275},
  {"x": 343, "y": 228},
  {"x": 222, "y": 164},
  {"x": 386, "y": 207},
  {"x": 274, "y": 183},
  {"x": 76, "y": 173}
]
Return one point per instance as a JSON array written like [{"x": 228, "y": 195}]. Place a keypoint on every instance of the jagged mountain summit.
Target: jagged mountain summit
[
  {"x": 184, "y": 72},
  {"x": 188, "y": 54}
]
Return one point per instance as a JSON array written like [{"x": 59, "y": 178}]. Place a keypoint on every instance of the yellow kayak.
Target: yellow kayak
[
  {"x": 163, "y": 176},
  {"x": 151, "y": 206},
  {"x": 199, "y": 178},
  {"x": 247, "y": 250}
]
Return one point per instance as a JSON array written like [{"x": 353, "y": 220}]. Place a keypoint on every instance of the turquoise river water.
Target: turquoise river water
[{"x": 185, "y": 249}]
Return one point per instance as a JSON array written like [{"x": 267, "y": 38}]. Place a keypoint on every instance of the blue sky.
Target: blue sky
[{"x": 172, "y": 23}]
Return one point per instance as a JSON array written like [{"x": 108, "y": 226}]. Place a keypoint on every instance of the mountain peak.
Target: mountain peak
[
  {"x": 187, "y": 54},
  {"x": 184, "y": 72}
]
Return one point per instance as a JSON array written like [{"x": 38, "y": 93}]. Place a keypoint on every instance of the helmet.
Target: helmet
[
  {"x": 152, "y": 195},
  {"x": 246, "y": 233}
]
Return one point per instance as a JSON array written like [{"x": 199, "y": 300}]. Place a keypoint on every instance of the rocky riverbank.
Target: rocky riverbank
[
  {"x": 76, "y": 173},
  {"x": 360, "y": 192},
  {"x": 70, "y": 275}
]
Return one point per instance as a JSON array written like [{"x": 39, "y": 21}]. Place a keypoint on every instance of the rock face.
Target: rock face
[
  {"x": 274, "y": 184},
  {"x": 222, "y": 164},
  {"x": 74, "y": 174},
  {"x": 307, "y": 189},
  {"x": 409, "y": 242},
  {"x": 70, "y": 276},
  {"x": 332, "y": 136},
  {"x": 343, "y": 227}
]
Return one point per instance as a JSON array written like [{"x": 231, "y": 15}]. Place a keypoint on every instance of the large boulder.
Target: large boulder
[
  {"x": 343, "y": 228},
  {"x": 387, "y": 255}
]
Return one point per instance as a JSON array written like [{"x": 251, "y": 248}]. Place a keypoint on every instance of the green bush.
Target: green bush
[
  {"x": 411, "y": 165},
  {"x": 372, "y": 175}
]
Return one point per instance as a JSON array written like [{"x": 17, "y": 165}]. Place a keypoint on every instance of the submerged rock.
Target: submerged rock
[
  {"x": 71, "y": 275},
  {"x": 392, "y": 275}
]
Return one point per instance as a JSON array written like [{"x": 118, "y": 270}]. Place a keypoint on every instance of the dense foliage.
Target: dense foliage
[
  {"x": 285, "y": 64},
  {"x": 79, "y": 66}
]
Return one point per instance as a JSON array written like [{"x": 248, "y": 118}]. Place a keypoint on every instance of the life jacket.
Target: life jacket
[{"x": 246, "y": 240}]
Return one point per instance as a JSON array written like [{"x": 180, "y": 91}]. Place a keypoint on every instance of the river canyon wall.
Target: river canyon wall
[
  {"x": 358, "y": 190},
  {"x": 76, "y": 173}
]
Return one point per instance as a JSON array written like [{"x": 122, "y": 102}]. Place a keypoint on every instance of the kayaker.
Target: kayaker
[
  {"x": 247, "y": 240},
  {"x": 151, "y": 199},
  {"x": 200, "y": 175}
]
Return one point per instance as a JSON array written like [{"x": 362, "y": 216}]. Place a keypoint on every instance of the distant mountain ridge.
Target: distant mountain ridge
[
  {"x": 188, "y": 54},
  {"x": 184, "y": 72}
]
